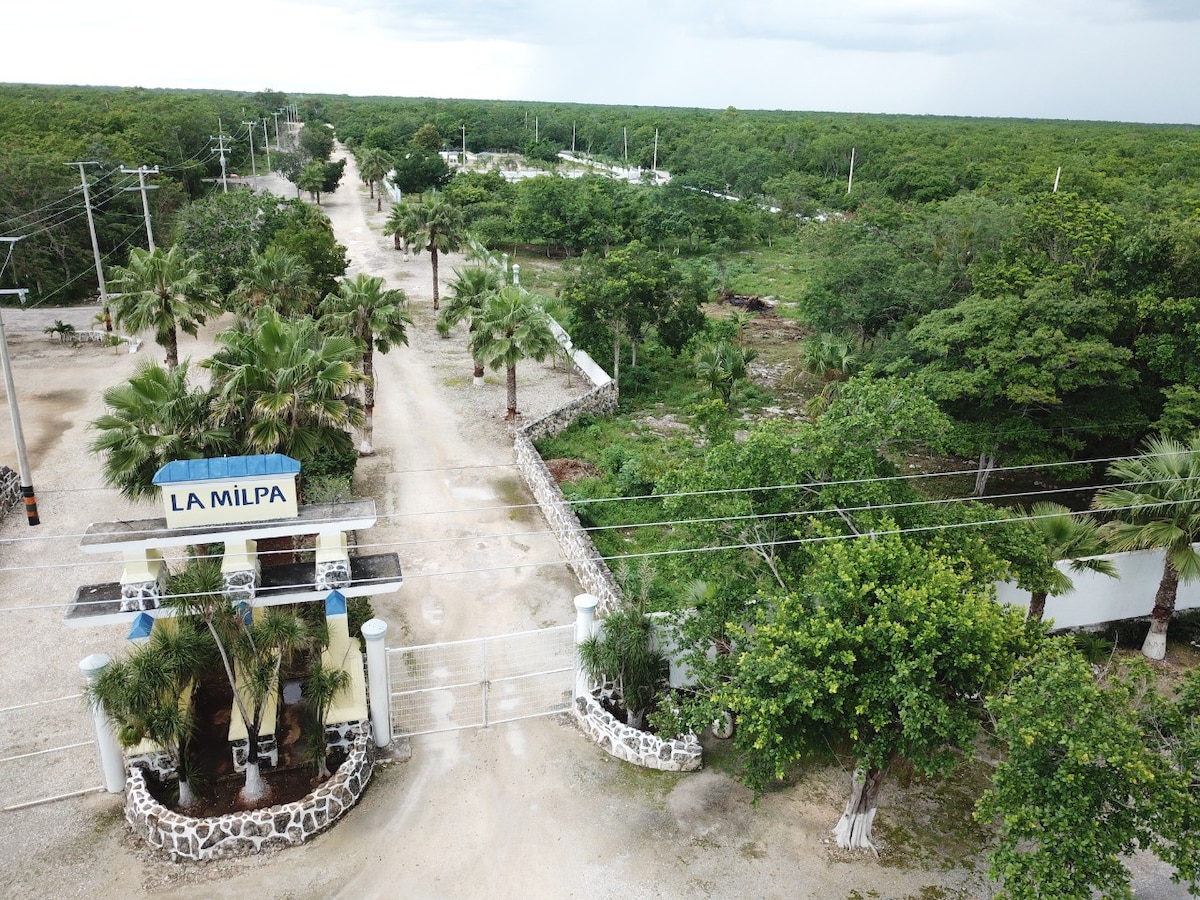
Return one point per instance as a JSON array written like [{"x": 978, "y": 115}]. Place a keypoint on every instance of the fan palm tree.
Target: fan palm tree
[
  {"x": 283, "y": 386},
  {"x": 1156, "y": 505},
  {"x": 511, "y": 327},
  {"x": 253, "y": 646},
  {"x": 1064, "y": 535},
  {"x": 373, "y": 166},
  {"x": 721, "y": 366},
  {"x": 148, "y": 696},
  {"x": 276, "y": 278},
  {"x": 377, "y": 318},
  {"x": 163, "y": 291},
  {"x": 155, "y": 417},
  {"x": 470, "y": 291},
  {"x": 435, "y": 225}
]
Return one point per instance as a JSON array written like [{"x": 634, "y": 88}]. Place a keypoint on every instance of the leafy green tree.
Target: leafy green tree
[
  {"x": 1156, "y": 506},
  {"x": 885, "y": 653},
  {"x": 163, "y": 291},
  {"x": 275, "y": 278},
  {"x": 306, "y": 232},
  {"x": 154, "y": 418},
  {"x": 224, "y": 231},
  {"x": 148, "y": 694},
  {"x": 1081, "y": 785},
  {"x": 418, "y": 170},
  {"x": 253, "y": 646},
  {"x": 316, "y": 141},
  {"x": 512, "y": 326},
  {"x": 373, "y": 166},
  {"x": 1062, "y": 534},
  {"x": 434, "y": 225},
  {"x": 283, "y": 386},
  {"x": 469, "y": 293},
  {"x": 427, "y": 138},
  {"x": 333, "y": 171},
  {"x": 378, "y": 319}
]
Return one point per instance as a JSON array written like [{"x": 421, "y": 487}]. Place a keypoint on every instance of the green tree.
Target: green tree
[
  {"x": 162, "y": 291},
  {"x": 154, "y": 418},
  {"x": 511, "y": 327},
  {"x": 417, "y": 170},
  {"x": 885, "y": 653},
  {"x": 1062, "y": 535},
  {"x": 1081, "y": 784},
  {"x": 283, "y": 386},
  {"x": 276, "y": 278},
  {"x": 148, "y": 694},
  {"x": 378, "y": 319},
  {"x": 312, "y": 179},
  {"x": 306, "y": 232},
  {"x": 427, "y": 138},
  {"x": 373, "y": 166},
  {"x": 434, "y": 225},
  {"x": 624, "y": 652},
  {"x": 469, "y": 293},
  {"x": 316, "y": 141},
  {"x": 224, "y": 231},
  {"x": 1156, "y": 506}
]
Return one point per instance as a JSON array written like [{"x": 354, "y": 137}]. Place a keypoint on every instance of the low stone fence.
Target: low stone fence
[
  {"x": 10, "y": 490},
  {"x": 238, "y": 834},
  {"x": 592, "y": 571},
  {"x": 682, "y": 754}
]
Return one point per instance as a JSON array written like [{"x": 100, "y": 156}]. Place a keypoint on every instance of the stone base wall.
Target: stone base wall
[
  {"x": 239, "y": 834},
  {"x": 10, "y": 490},
  {"x": 592, "y": 571},
  {"x": 638, "y": 747}
]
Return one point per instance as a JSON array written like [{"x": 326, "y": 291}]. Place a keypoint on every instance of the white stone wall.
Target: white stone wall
[
  {"x": 641, "y": 748},
  {"x": 184, "y": 837}
]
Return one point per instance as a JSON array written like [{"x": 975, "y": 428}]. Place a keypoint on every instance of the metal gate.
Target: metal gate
[
  {"x": 475, "y": 683},
  {"x": 47, "y": 752}
]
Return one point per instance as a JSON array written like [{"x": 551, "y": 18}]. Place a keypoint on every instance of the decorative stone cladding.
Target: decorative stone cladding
[
  {"x": 242, "y": 585},
  {"x": 344, "y": 734},
  {"x": 157, "y": 762},
  {"x": 143, "y": 595},
  {"x": 10, "y": 489},
  {"x": 593, "y": 573},
  {"x": 238, "y": 834},
  {"x": 682, "y": 754},
  {"x": 268, "y": 751},
  {"x": 333, "y": 575}
]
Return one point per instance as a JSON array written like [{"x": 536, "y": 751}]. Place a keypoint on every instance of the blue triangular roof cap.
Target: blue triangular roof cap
[
  {"x": 335, "y": 604},
  {"x": 226, "y": 467},
  {"x": 142, "y": 626}
]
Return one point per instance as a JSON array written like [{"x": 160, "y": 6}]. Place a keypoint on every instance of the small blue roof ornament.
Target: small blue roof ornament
[
  {"x": 141, "y": 628},
  {"x": 335, "y": 604},
  {"x": 218, "y": 467}
]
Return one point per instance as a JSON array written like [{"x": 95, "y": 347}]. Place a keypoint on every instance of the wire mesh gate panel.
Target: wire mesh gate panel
[
  {"x": 47, "y": 749},
  {"x": 471, "y": 684}
]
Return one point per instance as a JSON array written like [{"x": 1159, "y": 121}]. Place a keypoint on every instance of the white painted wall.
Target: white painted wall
[{"x": 1098, "y": 599}]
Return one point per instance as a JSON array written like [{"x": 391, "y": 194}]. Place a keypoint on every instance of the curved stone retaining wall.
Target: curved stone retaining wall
[
  {"x": 184, "y": 837},
  {"x": 638, "y": 747},
  {"x": 592, "y": 571},
  {"x": 10, "y": 489}
]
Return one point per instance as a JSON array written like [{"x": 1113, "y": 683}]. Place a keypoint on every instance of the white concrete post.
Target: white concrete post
[
  {"x": 585, "y": 627},
  {"x": 378, "y": 689},
  {"x": 112, "y": 761}
]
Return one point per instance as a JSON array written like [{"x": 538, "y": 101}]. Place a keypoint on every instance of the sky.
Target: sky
[{"x": 1111, "y": 60}]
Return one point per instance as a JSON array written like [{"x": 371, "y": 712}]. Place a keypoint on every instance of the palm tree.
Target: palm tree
[
  {"x": 373, "y": 166},
  {"x": 253, "y": 646},
  {"x": 511, "y": 327},
  {"x": 470, "y": 291},
  {"x": 152, "y": 419},
  {"x": 276, "y": 278},
  {"x": 377, "y": 318},
  {"x": 435, "y": 225},
  {"x": 162, "y": 291},
  {"x": 833, "y": 359},
  {"x": 312, "y": 179},
  {"x": 320, "y": 687},
  {"x": 1157, "y": 506},
  {"x": 282, "y": 386},
  {"x": 1064, "y": 535},
  {"x": 721, "y": 366},
  {"x": 148, "y": 694}
]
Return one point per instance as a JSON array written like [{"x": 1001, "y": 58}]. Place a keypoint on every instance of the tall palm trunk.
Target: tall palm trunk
[
  {"x": 510, "y": 379},
  {"x": 1155, "y": 645},
  {"x": 433, "y": 259},
  {"x": 368, "y": 433},
  {"x": 1037, "y": 606}
]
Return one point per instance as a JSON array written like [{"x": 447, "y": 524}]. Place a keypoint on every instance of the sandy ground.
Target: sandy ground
[{"x": 529, "y": 809}]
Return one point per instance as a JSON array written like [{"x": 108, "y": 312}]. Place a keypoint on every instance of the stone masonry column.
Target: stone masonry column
[{"x": 112, "y": 761}]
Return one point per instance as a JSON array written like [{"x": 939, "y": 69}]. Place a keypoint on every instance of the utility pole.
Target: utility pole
[
  {"x": 278, "y": 146},
  {"x": 253, "y": 165},
  {"x": 464, "y": 146},
  {"x": 31, "y": 510},
  {"x": 850, "y": 180},
  {"x": 625, "y": 142},
  {"x": 220, "y": 139},
  {"x": 654, "y": 166},
  {"x": 87, "y": 205},
  {"x": 142, "y": 172},
  {"x": 267, "y": 145},
  {"x": 572, "y": 138},
  {"x": 1057, "y": 175}
]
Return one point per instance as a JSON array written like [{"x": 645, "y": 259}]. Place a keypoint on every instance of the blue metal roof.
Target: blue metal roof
[
  {"x": 142, "y": 626},
  {"x": 226, "y": 467},
  {"x": 335, "y": 603}
]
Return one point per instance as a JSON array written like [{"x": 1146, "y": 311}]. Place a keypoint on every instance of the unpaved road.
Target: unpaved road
[{"x": 524, "y": 810}]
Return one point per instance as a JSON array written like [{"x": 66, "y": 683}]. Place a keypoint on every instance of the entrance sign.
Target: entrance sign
[{"x": 228, "y": 489}]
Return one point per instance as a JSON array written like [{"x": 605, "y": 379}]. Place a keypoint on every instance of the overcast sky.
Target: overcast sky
[{"x": 1123, "y": 60}]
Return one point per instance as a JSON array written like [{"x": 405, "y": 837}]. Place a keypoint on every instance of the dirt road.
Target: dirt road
[{"x": 527, "y": 810}]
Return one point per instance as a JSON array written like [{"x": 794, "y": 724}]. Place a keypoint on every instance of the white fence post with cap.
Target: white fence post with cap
[
  {"x": 585, "y": 627},
  {"x": 378, "y": 688},
  {"x": 112, "y": 760}
]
